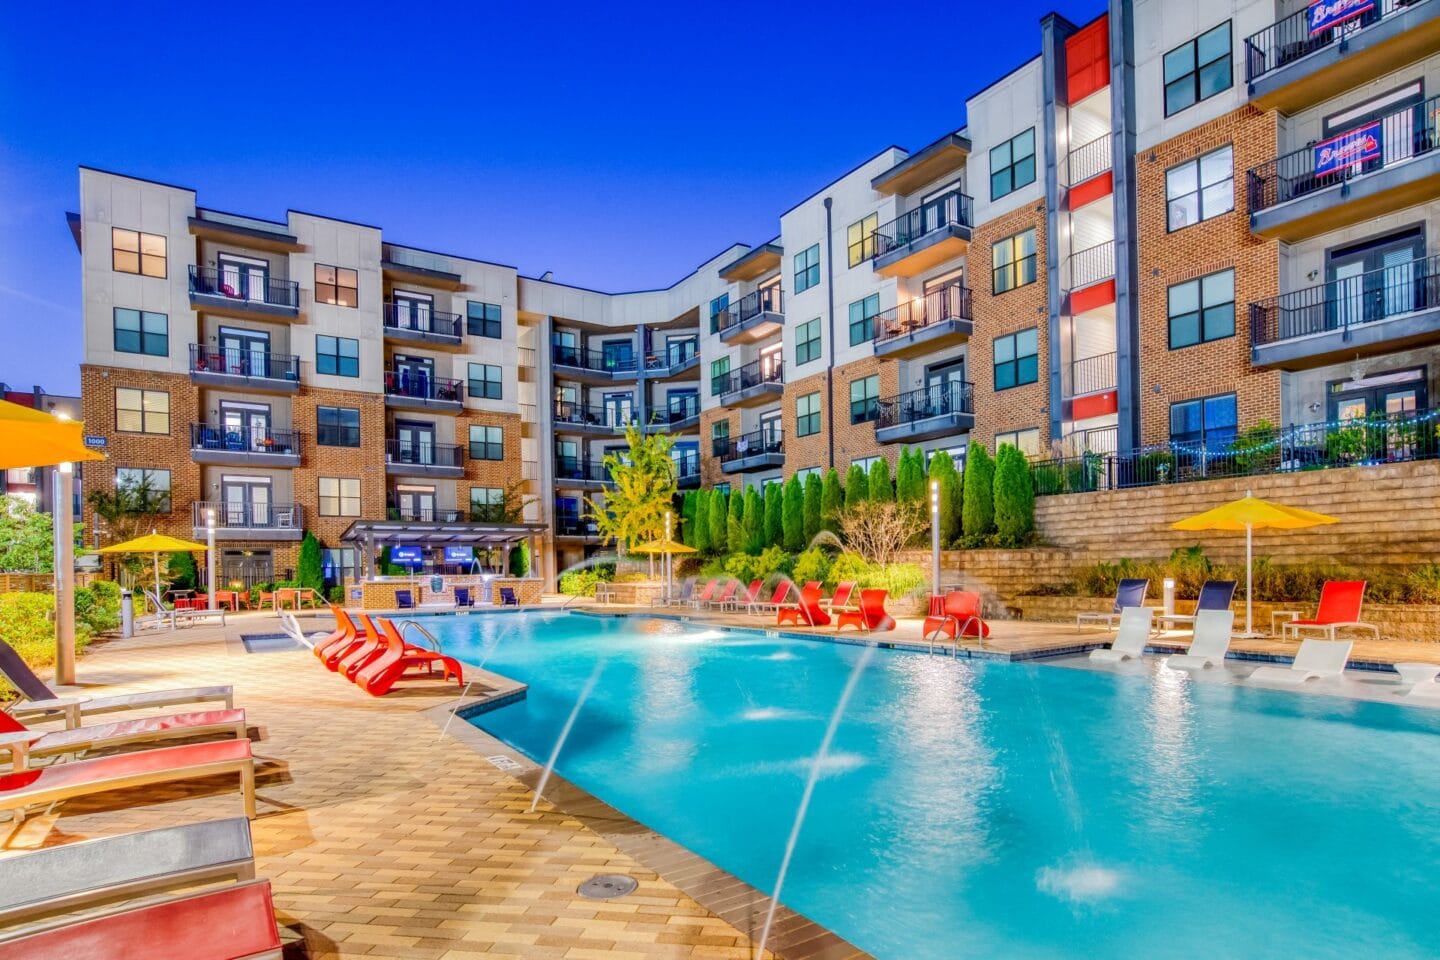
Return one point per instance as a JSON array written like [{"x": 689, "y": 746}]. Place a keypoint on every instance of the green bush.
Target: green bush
[
  {"x": 700, "y": 535},
  {"x": 832, "y": 500},
  {"x": 942, "y": 469},
  {"x": 337, "y": 595},
  {"x": 719, "y": 521},
  {"x": 813, "y": 499},
  {"x": 1014, "y": 497},
  {"x": 735, "y": 539},
  {"x": 687, "y": 517},
  {"x": 848, "y": 566},
  {"x": 97, "y": 607},
  {"x": 310, "y": 572},
  {"x": 182, "y": 573},
  {"x": 978, "y": 507},
  {"x": 792, "y": 516},
  {"x": 880, "y": 487},
  {"x": 754, "y": 521},
  {"x": 857, "y": 486},
  {"x": 1425, "y": 583},
  {"x": 580, "y": 583},
  {"x": 900, "y": 580},
  {"x": 812, "y": 564},
  {"x": 1256, "y": 449},
  {"x": 26, "y": 624},
  {"x": 911, "y": 484},
  {"x": 775, "y": 513},
  {"x": 520, "y": 560}
]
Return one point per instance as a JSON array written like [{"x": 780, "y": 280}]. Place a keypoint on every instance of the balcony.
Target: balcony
[
  {"x": 251, "y": 370},
  {"x": 403, "y": 323},
  {"x": 753, "y": 317},
  {"x": 571, "y": 527},
  {"x": 1088, "y": 161},
  {"x": 940, "y": 410},
  {"x": 1090, "y": 375},
  {"x": 413, "y": 512},
  {"x": 760, "y": 381},
  {"x": 583, "y": 418},
  {"x": 1376, "y": 168},
  {"x": 234, "y": 446},
  {"x": 1092, "y": 265},
  {"x": 1289, "y": 66},
  {"x": 408, "y": 458},
  {"x": 678, "y": 358},
  {"x": 406, "y": 391},
  {"x": 916, "y": 327},
  {"x": 248, "y": 520},
  {"x": 687, "y": 471},
  {"x": 928, "y": 235},
  {"x": 760, "y": 450},
  {"x": 1394, "y": 308},
  {"x": 681, "y": 413},
  {"x": 592, "y": 366},
  {"x": 580, "y": 472},
  {"x": 237, "y": 293}
]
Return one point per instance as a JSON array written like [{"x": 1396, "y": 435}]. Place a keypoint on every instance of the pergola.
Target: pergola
[{"x": 374, "y": 534}]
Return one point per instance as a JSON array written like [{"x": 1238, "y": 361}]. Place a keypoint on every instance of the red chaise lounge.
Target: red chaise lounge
[
  {"x": 1340, "y": 602},
  {"x": 807, "y": 613},
  {"x": 958, "y": 611},
  {"x": 870, "y": 616}
]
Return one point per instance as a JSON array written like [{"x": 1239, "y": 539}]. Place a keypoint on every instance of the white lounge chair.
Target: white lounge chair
[
  {"x": 1211, "y": 640},
  {"x": 1130, "y": 639},
  {"x": 1316, "y": 659}
]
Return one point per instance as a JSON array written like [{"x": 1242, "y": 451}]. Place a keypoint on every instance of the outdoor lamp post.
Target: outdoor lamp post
[
  {"x": 669, "y": 570},
  {"x": 64, "y": 534},
  {"x": 935, "y": 536},
  {"x": 210, "y": 557},
  {"x": 1169, "y": 601}
]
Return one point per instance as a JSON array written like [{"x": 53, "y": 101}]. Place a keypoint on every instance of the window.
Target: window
[
  {"x": 485, "y": 381},
  {"x": 340, "y": 565},
  {"x": 1013, "y": 262},
  {"x": 862, "y": 317},
  {"x": 337, "y": 285},
  {"x": 1012, "y": 164},
  {"x": 807, "y": 341},
  {"x": 142, "y": 411},
  {"x": 339, "y": 497},
  {"x": 807, "y": 415},
  {"x": 155, "y": 482},
  {"x": 957, "y": 454},
  {"x": 718, "y": 306},
  {"x": 482, "y": 319},
  {"x": 865, "y": 399},
  {"x": 140, "y": 331},
  {"x": 134, "y": 252},
  {"x": 1209, "y": 420},
  {"x": 1200, "y": 189},
  {"x": 723, "y": 488},
  {"x": 1202, "y": 310},
  {"x": 337, "y": 356},
  {"x": 337, "y": 426},
  {"x": 805, "y": 473},
  {"x": 720, "y": 437},
  {"x": 1027, "y": 441},
  {"x": 861, "y": 238},
  {"x": 1198, "y": 70},
  {"x": 487, "y": 504},
  {"x": 1017, "y": 359},
  {"x": 864, "y": 463},
  {"x": 807, "y": 268},
  {"x": 487, "y": 443},
  {"x": 719, "y": 376}
]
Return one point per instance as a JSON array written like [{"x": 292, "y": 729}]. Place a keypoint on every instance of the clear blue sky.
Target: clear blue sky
[{"x": 617, "y": 145}]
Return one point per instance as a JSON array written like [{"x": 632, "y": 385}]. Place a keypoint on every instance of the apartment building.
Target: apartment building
[{"x": 36, "y": 484}]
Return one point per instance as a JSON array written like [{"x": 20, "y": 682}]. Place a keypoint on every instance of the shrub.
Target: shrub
[
  {"x": 775, "y": 513},
  {"x": 813, "y": 497},
  {"x": 1190, "y": 568},
  {"x": 741, "y": 566},
  {"x": 183, "y": 574},
  {"x": 309, "y": 572},
  {"x": 881, "y": 489},
  {"x": 735, "y": 539},
  {"x": 1014, "y": 497},
  {"x": 848, "y": 566},
  {"x": 746, "y": 567},
  {"x": 700, "y": 534},
  {"x": 97, "y": 607},
  {"x": 792, "y": 516},
  {"x": 857, "y": 486},
  {"x": 687, "y": 517},
  {"x": 580, "y": 583},
  {"x": 1256, "y": 449},
  {"x": 978, "y": 508},
  {"x": 813, "y": 564},
  {"x": 25, "y": 623},
  {"x": 832, "y": 500},
  {"x": 942, "y": 469},
  {"x": 1424, "y": 584},
  {"x": 520, "y": 560},
  {"x": 754, "y": 521},
  {"x": 719, "y": 521},
  {"x": 337, "y": 595}
]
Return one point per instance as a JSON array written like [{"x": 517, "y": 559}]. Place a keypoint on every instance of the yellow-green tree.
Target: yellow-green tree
[{"x": 641, "y": 491}]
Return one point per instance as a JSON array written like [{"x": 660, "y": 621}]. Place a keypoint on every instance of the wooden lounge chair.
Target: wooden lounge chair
[
  {"x": 1339, "y": 609},
  {"x": 806, "y": 613},
  {"x": 957, "y": 613},
  {"x": 1214, "y": 595},
  {"x": 1130, "y": 592},
  {"x": 404, "y": 600},
  {"x": 508, "y": 598},
  {"x": 870, "y": 616},
  {"x": 463, "y": 598},
  {"x": 103, "y": 736},
  {"x": 1131, "y": 638},
  {"x": 1316, "y": 660},
  {"x": 1210, "y": 643},
  {"x": 379, "y": 675},
  {"x": 41, "y": 701},
  {"x": 841, "y": 599},
  {"x": 24, "y": 788}
]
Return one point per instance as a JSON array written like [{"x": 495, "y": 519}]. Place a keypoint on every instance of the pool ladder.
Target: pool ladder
[
  {"x": 429, "y": 641},
  {"x": 935, "y": 634}
]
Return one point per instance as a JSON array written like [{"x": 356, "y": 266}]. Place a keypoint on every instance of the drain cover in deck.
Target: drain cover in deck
[{"x": 607, "y": 886}]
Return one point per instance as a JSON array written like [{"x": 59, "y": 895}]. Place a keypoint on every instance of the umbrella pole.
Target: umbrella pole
[
  {"x": 1249, "y": 579},
  {"x": 157, "y": 576}
]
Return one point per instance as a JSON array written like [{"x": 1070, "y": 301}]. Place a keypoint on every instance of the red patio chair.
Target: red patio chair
[
  {"x": 807, "y": 613},
  {"x": 379, "y": 675},
  {"x": 752, "y": 594},
  {"x": 1340, "y": 602},
  {"x": 871, "y": 615},
  {"x": 703, "y": 597},
  {"x": 958, "y": 611},
  {"x": 344, "y": 635},
  {"x": 726, "y": 596},
  {"x": 841, "y": 599},
  {"x": 777, "y": 598},
  {"x": 361, "y": 654}
]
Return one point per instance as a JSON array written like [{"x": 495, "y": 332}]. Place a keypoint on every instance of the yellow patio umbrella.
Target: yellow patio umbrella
[
  {"x": 666, "y": 547},
  {"x": 1250, "y": 513},
  {"x": 156, "y": 544},
  {"x": 34, "y": 438}
]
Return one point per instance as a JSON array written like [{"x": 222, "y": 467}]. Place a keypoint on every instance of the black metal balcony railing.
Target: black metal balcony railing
[
  {"x": 687, "y": 465},
  {"x": 951, "y": 209},
  {"x": 616, "y": 418},
  {"x": 936, "y": 400},
  {"x": 242, "y": 285},
  {"x": 678, "y": 409},
  {"x": 247, "y": 515},
  {"x": 1340, "y": 304},
  {"x": 421, "y": 512},
  {"x": 407, "y": 383},
  {"x": 676, "y": 352},
  {"x": 244, "y": 363},
  {"x": 764, "y": 300},
  {"x": 599, "y": 360},
  {"x": 1374, "y": 146},
  {"x": 424, "y": 454},
  {"x": 751, "y": 444},
  {"x": 1287, "y": 40},
  {"x": 581, "y": 468},
  {"x": 407, "y": 316},
  {"x": 236, "y": 439},
  {"x": 754, "y": 373},
  {"x": 1089, "y": 160},
  {"x": 569, "y": 525},
  {"x": 1092, "y": 374},
  {"x": 1092, "y": 265},
  {"x": 950, "y": 302}
]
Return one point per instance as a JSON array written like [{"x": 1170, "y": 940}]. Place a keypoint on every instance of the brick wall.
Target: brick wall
[
  {"x": 367, "y": 462},
  {"x": 497, "y": 474},
  {"x": 853, "y": 441},
  {"x": 710, "y": 466},
  {"x": 802, "y": 452}
]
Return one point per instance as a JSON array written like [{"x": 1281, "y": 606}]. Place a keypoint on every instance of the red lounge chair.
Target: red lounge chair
[
  {"x": 870, "y": 616},
  {"x": 842, "y": 596},
  {"x": 377, "y": 677},
  {"x": 807, "y": 613},
  {"x": 752, "y": 594},
  {"x": 101, "y": 736},
  {"x": 726, "y": 596},
  {"x": 345, "y": 635},
  {"x": 364, "y": 652},
  {"x": 777, "y": 599},
  {"x": 956, "y": 612},
  {"x": 233, "y": 923},
  {"x": 1340, "y": 602},
  {"x": 703, "y": 597}
]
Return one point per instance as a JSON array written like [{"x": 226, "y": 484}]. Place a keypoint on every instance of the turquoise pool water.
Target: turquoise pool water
[{"x": 974, "y": 809}]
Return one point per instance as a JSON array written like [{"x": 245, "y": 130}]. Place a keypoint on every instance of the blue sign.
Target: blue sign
[
  {"x": 406, "y": 556},
  {"x": 1352, "y": 147},
  {"x": 97, "y": 443},
  {"x": 1325, "y": 14},
  {"x": 459, "y": 554}
]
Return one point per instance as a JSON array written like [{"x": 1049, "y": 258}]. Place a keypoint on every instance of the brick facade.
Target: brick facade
[
  {"x": 366, "y": 462},
  {"x": 709, "y": 464},
  {"x": 856, "y": 441},
  {"x": 495, "y": 474},
  {"x": 811, "y": 451}
]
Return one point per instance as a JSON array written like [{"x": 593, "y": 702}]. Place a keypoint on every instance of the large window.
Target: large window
[
  {"x": 1017, "y": 359},
  {"x": 1209, "y": 420},
  {"x": 155, "y": 483},
  {"x": 1200, "y": 189},
  {"x": 720, "y": 437},
  {"x": 1013, "y": 261},
  {"x": 862, "y": 319},
  {"x": 142, "y": 411},
  {"x": 807, "y": 341},
  {"x": 487, "y": 504},
  {"x": 482, "y": 319},
  {"x": 140, "y": 331},
  {"x": 864, "y": 463},
  {"x": 337, "y": 356},
  {"x": 337, "y": 426},
  {"x": 719, "y": 376},
  {"x": 1012, "y": 164},
  {"x": 718, "y": 306},
  {"x": 485, "y": 381},
  {"x": 1027, "y": 441},
  {"x": 1198, "y": 70},
  {"x": 861, "y": 239},
  {"x": 487, "y": 443},
  {"x": 339, "y": 286},
  {"x": 1202, "y": 309},
  {"x": 339, "y": 497},
  {"x": 807, "y": 415},
  {"x": 807, "y": 268},
  {"x": 134, "y": 252},
  {"x": 865, "y": 399}
]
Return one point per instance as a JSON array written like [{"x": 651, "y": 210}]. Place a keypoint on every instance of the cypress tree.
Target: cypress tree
[
  {"x": 754, "y": 521},
  {"x": 1014, "y": 496},
  {"x": 774, "y": 514},
  {"x": 719, "y": 521},
  {"x": 687, "y": 517},
  {"x": 700, "y": 522},
  {"x": 793, "y": 515},
  {"x": 857, "y": 486},
  {"x": 978, "y": 512},
  {"x": 942, "y": 470},
  {"x": 832, "y": 501},
  {"x": 881, "y": 489},
  {"x": 309, "y": 571},
  {"x": 813, "y": 497},
  {"x": 735, "y": 539},
  {"x": 917, "y": 487}
]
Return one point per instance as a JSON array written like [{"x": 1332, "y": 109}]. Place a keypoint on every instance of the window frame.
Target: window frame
[
  {"x": 142, "y": 410},
  {"x": 868, "y": 400},
  {"x": 864, "y": 242},
  {"x": 866, "y": 322},
  {"x": 807, "y": 424},
  {"x": 139, "y": 253},
  {"x": 140, "y": 332},
  {"x": 485, "y": 326},
  {"x": 718, "y": 305},
  {"x": 1201, "y": 310},
  {"x": 1197, "y": 68},
  {"x": 1009, "y": 167},
  {"x": 335, "y": 356},
  {"x": 1198, "y": 162},
  {"x": 1013, "y": 267},
  {"x": 495, "y": 498},
  {"x": 485, "y": 383},
  {"x": 1204, "y": 434},
  {"x": 715, "y": 390},
  {"x": 142, "y": 472},
  {"x": 335, "y": 287},
  {"x": 1012, "y": 437},
  {"x": 806, "y": 268},
  {"x": 1015, "y": 359},
  {"x": 810, "y": 344},
  {"x": 484, "y": 448},
  {"x": 340, "y": 428},
  {"x": 340, "y": 498}
]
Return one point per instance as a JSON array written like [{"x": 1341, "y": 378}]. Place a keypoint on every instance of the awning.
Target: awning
[{"x": 440, "y": 533}]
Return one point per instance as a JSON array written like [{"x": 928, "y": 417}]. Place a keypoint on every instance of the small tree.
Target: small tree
[
  {"x": 878, "y": 531},
  {"x": 308, "y": 572},
  {"x": 735, "y": 539},
  {"x": 881, "y": 489},
  {"x": 832, "y": 501},
  {"x": 719, "y": 521},
  {"x": 942, "y": 470},
  {"x": 793, "y": 515},
  {"x": 183, "y": 573},
  {"x": 520, "y": 560},
  {"x": 26, "y": 538},
  {"x": 774, "y": 513},
  {"x": 700, "y": 522},
  {"x": 641, "y": 492},
  {"x": 857, "y": 486},
  {"x": 1014, "y": 496},
  {"x": 510, "y": 508},
  {"x": 978, "y": 517},
  {"x": 687, "y": 517},
  {"x": 754, "y": 521},
  {"x": 813, "y": 498}
]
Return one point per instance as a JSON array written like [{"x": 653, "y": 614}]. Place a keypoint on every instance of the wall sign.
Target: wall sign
[
  {"x": 1352, "y": 147},
  {"x": 97, "y": 443},
  {"x": 1325, "y": 14}
]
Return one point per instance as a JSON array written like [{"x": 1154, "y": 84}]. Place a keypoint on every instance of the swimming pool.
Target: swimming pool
[{"x": 984, "y": 809}]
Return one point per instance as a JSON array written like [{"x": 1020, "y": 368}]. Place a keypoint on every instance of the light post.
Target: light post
[
  {"x": 669, "y": 571},
  {"x": 935, "y": 537},
  {"x": 63, "y": 524},
  {"x": 210, "y": 557}
]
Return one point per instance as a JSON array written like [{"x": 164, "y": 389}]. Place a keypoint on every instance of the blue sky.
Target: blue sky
[{"x": 617, "y": 145}]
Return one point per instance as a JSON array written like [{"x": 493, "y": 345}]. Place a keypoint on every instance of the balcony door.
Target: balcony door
[
  {"x": 1376, "y": 279},
  {"x": 246, "y": 501},
  {"x": 415, "y": 503},
  {"x": 618, "y": 354},
  {"x": 245, "y": 426},
  {"x": 413, "y": 311},
  {"x": 771, "y": 433},
  {"x": 414, "y": 376},
  {"x": 682, "y": 404},
  {"x": 1401, "y": 116},
  {"x": 244, "y": 277},
  {"x": 245, "y": 352},
  {"x": 415, "y": 442},
  {"x": 770, "y": 363},
  {"x": 619, "y": 409}
]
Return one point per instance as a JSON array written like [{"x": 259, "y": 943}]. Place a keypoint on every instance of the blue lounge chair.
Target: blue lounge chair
[
  {"x": 508, "y": 598},
  {"x": 1214, "y": 595},
  {"x": 404, "y": 600},
  {"x": 463, "y": 598},
  {"x": 1130, "y": 592}
]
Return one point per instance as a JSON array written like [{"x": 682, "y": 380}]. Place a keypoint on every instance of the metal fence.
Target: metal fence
[
  {"x": 753, "y": 304},
  {"x": 239, "y": 284},
  {"x": 1092, "y": 374},
  {"x": 1092, "y": 264},
  {"x": 950, "y": 302},
  {"x": 1342, "y": 303},
  {"x": 1289, "y": 39},
  {"x": 417, "y": 317},
  {"x": 937, "y": 400},
  {"x": 1089, "y": 160},
  {"x": 951, "y": 208}
]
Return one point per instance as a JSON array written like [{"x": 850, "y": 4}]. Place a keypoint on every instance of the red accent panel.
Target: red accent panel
[
  {"x": 1095, "y": 405},
  {"x": 1095, "y": 295},
  {"x": 1092, "y": 190},
  {"x": 1087, "y": 60}
]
